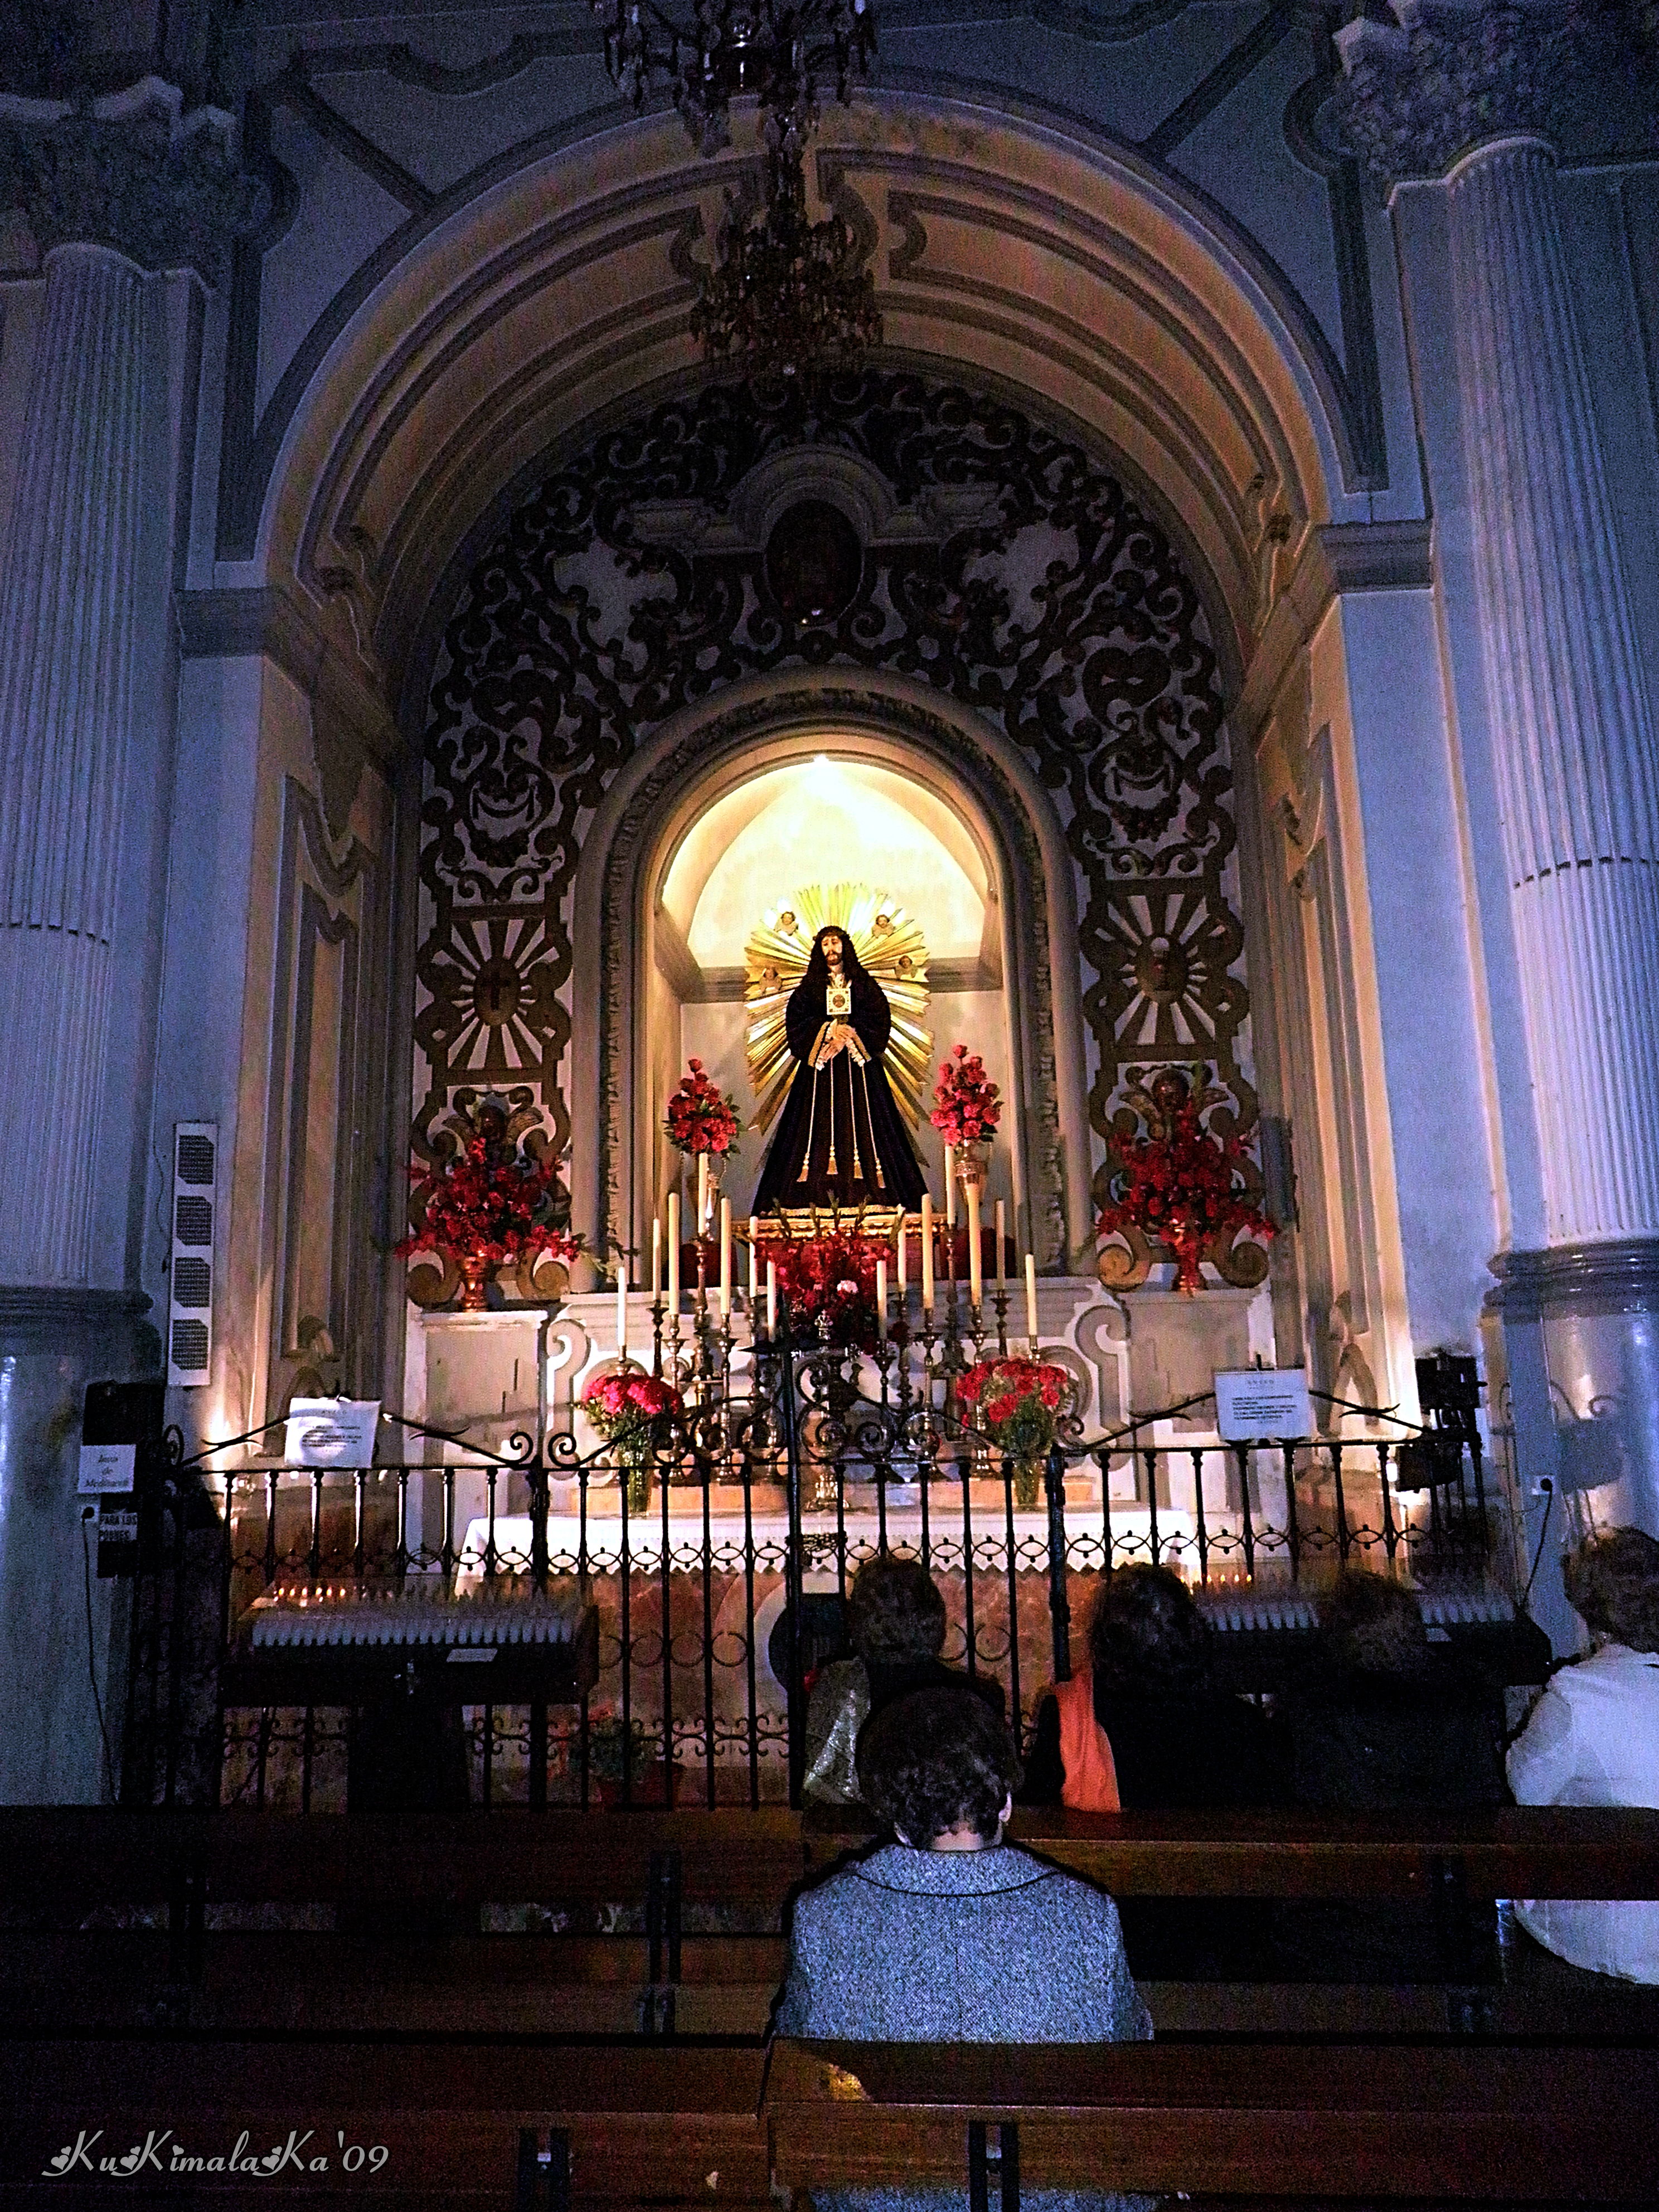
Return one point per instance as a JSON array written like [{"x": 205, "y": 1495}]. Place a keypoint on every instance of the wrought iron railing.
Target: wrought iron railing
[{"x": 718, "y": 1573}]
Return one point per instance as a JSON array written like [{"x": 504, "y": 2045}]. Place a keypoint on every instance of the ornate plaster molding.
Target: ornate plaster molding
[
  {"x": 132, "y": 171},
  {"x": 1454, "y": 75},
  {"x": 1337, "y": 558}
]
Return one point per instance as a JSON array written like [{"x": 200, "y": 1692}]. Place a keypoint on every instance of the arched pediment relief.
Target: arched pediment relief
[{"x": 1031, "y": 261}]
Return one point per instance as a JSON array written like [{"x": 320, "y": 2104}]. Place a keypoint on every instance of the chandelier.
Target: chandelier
[
  {"x": 775, "y": 52},
  {"x": 786, "y": 297}
]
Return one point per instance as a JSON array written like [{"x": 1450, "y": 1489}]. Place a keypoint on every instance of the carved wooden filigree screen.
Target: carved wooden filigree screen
[{"x": 1066, "y": 620}]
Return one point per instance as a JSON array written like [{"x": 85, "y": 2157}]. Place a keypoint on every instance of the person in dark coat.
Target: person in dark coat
[
  {"x": 1380, "y": 1721},
  {"x": 1172, "y": 1740},
  {"x": 840, "y": 1140},
  {"x": 895, "y": 1623},
  {"x": 948, "y": 1934}
]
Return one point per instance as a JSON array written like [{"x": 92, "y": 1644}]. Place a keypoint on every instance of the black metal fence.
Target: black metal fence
[{"x": 718, "y": 1569}]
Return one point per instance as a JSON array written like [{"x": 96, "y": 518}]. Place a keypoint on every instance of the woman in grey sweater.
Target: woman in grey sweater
[{"x": 948, "y": 1934}]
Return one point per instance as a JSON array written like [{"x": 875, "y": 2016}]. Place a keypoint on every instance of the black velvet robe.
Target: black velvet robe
[{"x": 841, "y": 1113}]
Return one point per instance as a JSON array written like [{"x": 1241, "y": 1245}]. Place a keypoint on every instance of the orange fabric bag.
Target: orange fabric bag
[{"x": 1085, "y": 1750}]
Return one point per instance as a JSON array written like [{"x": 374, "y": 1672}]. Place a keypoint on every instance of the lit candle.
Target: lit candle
[
  {"x": 622, "y": 1308},
  {"x": 903, "y": 1242},
  {"x": 673, "y": 1252},
  {"x": 726, "y": 1259},
  {"x": 975, "y": 1268},
  {"x": 1002, "y": 1261},
  {"x": 771, "y": 1298},
  {"x": 754, "y": 1264},
  {"x": 1030, "y": 1300},
  {"x": 656, "y": 1258},
  {"x": 950, "y": 1185},
  {"x": 881, "y": 1298},
  {"x": 928, "y": 1251}
]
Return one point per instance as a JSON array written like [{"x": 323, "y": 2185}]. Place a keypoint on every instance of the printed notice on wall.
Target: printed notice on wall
[
  {"x": 1255, "y": 1402},
  {"x": 331, "y": 1431},
  {"x": 106, "y": 1469}
]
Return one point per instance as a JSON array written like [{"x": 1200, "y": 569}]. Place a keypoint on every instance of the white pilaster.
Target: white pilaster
[
  {"x": 68, "y": 609},
  {"x": 1573, "y": 731}
]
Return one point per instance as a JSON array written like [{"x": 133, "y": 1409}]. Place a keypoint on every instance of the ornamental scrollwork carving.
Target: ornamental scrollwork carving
[{"x": 1017, "y": 577}]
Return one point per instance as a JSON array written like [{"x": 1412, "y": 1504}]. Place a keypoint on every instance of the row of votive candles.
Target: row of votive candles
[{"x": 975, "y": 1275}]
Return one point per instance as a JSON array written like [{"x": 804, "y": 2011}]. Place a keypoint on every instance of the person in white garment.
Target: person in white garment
[{"x": 1593, "y": 1740}]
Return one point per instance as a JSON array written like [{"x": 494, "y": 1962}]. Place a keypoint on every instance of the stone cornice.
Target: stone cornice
[
  {"x": 129, "y": 170},
  {"x": 268, "y": 622},
  {"x": 1337, "y": 558},
  {"x": 1451, "y": 75}
]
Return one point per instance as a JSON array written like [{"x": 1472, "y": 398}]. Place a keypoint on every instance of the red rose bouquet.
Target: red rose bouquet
[
  {"x": 834, "y": 1273},
  {"x": 634, "y": 1412},
  {"x": 489, "y": 1205},
  {"x": 1185, "y": 1188},
  {"x": 701, "y": 1117},
  {"x": 1019, "y": 1402},
  {"x": 966, "y": 1107}
]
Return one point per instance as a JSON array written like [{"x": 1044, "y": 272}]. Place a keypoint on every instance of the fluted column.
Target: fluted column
[
  {"x": 1574, "y": 732},
  {"x": 67, "y": 612}
]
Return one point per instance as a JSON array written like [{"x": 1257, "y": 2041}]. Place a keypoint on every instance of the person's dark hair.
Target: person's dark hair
[
  {"x": 935, "y": 1760},
  {"x": 1147, "y": 1636},
  {"x": 1611, "y": 1583},
  {"x": 1371, "y": 1625},
  {"x": 895, "y": 1613},
  {"x": 818, "y": 967}
]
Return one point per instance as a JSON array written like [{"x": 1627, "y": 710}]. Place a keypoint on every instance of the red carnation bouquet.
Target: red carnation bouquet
[
  {"x": 966, "y": 1107},
  {"x": 701, "y": 1117},
  {"x": 1019, "y": 1402},
  {"x": 1185, "y": 1188},
  {"x": 631, "y": 1409},
  {"x": 490, "y": 1205},
  {"x": 833, "y": 1274}
]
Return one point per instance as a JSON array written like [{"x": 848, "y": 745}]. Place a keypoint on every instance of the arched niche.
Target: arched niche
[{"x": 625, "y": 1062}]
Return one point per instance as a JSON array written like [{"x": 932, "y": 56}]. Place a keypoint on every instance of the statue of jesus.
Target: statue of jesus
[{"x": 840, "y": 1140}]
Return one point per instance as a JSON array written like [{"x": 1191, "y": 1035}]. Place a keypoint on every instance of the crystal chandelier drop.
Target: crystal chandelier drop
[
  {"x": 777, "y": 52},
  {"x": 786, "y": 297}
]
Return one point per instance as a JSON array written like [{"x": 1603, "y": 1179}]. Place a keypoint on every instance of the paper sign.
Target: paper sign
[
  {"x": 331, "y": 1431},
  {"x": 1252, "y": 1402},
  {"x": 105, "y": 1468}
]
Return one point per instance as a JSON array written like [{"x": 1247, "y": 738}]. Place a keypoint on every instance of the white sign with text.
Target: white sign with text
[
  {"x": 1254, "y": 1402},
  {"x": 331, "y": 1431},
  {"x": 106, "y": 1469}
]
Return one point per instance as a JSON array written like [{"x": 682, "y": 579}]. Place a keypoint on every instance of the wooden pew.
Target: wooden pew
[{"x": 1493, "y": 2123}]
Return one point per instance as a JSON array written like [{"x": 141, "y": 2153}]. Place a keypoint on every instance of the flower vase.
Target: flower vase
[
  {"x": 973, "y": 1164},
  {"x": 636, "y": 1477},
  {"x": 1028, "y": 1484},
  {"x": 475, "y": 1281}
]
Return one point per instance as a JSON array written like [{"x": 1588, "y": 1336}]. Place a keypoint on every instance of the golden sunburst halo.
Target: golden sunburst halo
[{"x": 888, "y": 941}]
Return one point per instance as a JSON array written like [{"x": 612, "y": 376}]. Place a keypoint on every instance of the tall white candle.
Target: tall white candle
[
  {"x": 673, "y": 1251},
  {"x": 976, "y": 1267},
  {"x": 754, "y": 1265},
  {"x": 703, "y": 1194},
  {"x": 771, "y": 1298},
  {"x": 622, "y": 1308},
  {"x": 928, "y": 1251},
  {"x": 881, "y": 1298},
  {"x": 950, "y": 1185},
  {"x": 1030, "y": 1300},
  {"x": 902, "y": 1240},
  {"x": 726, "y": 1259},
  {"x": 656, "y": 1258},
  {"x": 1002, "y": 1257}
]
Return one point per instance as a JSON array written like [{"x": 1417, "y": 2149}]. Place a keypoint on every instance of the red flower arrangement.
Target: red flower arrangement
[
  {"x": 966, "y": 1107},
  {"x": 631, "y": 1409},
  {"x": 701, "y": 1117},
  {"x": 832, "y": 1273},
  {"x": 1184, "y": 1188},
  {"x": 1018, "y": 1401},
  {"x": 489, "y": 1205}
]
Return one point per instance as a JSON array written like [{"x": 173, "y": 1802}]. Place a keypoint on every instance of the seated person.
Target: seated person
[
  {"x": 1593, "y": 1739},
  {"x": 895, "y": 1625},
  {"x": 1380, "y": 1721},
  {"x": 948, "y": 1934},
  {"x": 1146, "y": 1728}
]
